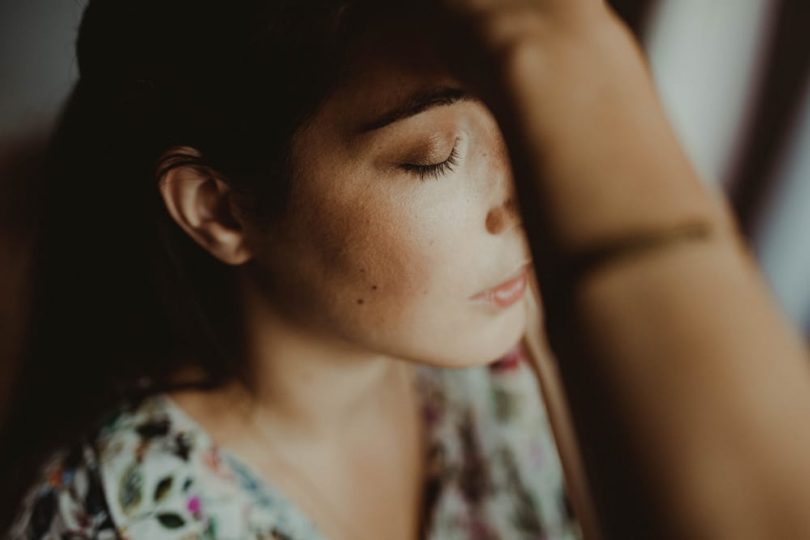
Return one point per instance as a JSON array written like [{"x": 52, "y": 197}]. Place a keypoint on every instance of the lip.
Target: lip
[{"x": 508, "y": 292}]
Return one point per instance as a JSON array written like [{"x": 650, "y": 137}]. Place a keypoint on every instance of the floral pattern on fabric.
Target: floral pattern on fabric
[{"x": 493, "y": 472}]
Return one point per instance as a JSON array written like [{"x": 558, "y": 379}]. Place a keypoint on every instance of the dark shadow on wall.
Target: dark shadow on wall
[{"x": 20, "y": 173}]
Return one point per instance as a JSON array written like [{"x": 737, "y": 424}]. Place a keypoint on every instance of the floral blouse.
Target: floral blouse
[{"x": 493, "y": 472}]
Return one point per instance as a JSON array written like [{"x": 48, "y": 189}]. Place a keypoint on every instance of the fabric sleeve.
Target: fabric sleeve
[{"x": 65, "y": 501}]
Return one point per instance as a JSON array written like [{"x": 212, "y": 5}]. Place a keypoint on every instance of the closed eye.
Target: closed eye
[{"x": 435, "y": 170}]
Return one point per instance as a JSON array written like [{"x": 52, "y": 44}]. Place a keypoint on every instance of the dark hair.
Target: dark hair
[{"x": 122, "y": 299}]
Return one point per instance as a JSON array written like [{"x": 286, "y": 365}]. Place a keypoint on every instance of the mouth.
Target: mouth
[{"x": 508, "y": 292}]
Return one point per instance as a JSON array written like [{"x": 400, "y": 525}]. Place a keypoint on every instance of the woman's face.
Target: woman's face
[{"x": 401, "y": 212}]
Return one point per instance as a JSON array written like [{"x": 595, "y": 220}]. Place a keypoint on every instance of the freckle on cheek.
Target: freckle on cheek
[
  {"x": 373, "y": 287},
  {"x": 360, "y": 301}
]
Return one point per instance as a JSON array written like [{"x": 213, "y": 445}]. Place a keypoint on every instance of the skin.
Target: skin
[{"x": 369, "y": 272}]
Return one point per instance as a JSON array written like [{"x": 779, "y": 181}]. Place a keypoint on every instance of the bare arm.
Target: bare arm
[{"x": 689, "y": 391}]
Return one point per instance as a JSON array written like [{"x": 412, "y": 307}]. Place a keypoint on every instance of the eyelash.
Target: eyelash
[{"x": 436, "y": 170}]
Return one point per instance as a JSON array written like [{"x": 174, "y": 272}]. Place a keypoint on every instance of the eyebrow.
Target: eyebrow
[{"x": 417, "y": 103}]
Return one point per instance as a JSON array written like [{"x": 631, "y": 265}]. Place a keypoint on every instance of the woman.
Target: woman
[
  {"x": 342, "y": 208},
  {"x": 288, "y": 206}
]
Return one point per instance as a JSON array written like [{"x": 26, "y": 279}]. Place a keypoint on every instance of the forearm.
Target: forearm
[
  {"x": 680, "y": 348},
  {"x": 683, "y": 351}
]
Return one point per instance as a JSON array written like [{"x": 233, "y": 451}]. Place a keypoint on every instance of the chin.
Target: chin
[{"x": 480, "y": 344}]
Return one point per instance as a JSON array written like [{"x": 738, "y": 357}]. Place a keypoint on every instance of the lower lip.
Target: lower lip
[{"x": 507, "y": 293}]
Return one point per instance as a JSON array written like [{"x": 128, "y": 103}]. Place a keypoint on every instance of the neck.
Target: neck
[{"x": 311, "y": 384}]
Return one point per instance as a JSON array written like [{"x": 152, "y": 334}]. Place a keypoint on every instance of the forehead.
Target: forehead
[{"x": 387, "y": 68}]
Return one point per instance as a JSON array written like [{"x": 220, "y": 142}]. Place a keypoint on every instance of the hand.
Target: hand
[
  {"x": 500, "y": 23},
  {"x": 484, "y": 39}
]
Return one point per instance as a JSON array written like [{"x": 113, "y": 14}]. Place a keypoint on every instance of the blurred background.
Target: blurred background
[{"x": 733, "y": 75}]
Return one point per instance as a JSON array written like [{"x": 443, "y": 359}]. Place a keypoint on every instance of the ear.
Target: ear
[{"x": 202, "y": 205}]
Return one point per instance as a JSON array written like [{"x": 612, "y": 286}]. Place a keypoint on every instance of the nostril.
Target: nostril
[
  {"x": 511, "y": 205},
  {"x": 495, "y": 220},
  {"x": 502, "y": 217}
]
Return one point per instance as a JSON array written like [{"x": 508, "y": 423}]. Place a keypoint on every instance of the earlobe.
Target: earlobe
[{"x": 201, "y": 204}]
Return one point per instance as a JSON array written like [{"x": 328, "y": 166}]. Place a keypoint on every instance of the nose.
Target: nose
[{"x": 503, "y": 217}]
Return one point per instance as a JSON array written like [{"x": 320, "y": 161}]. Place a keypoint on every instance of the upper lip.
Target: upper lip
[{"x": 514, "y": 275}]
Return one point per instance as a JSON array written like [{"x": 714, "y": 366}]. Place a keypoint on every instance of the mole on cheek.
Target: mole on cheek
[{"x": 360, "y": 301}]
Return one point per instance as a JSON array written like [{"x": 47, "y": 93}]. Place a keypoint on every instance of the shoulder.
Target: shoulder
[
  {"x": 132, "y": 479},
  {"x": 66, "y": 500},
  {"x": 505, "y": 392},
  {"x": 493, "y": 451}
]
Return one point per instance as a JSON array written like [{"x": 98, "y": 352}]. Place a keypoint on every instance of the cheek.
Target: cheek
[
  {"x": 384, "y": 265},
  {"x": 406, "y": 289},
  {"x": 385, "y": 257}
]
